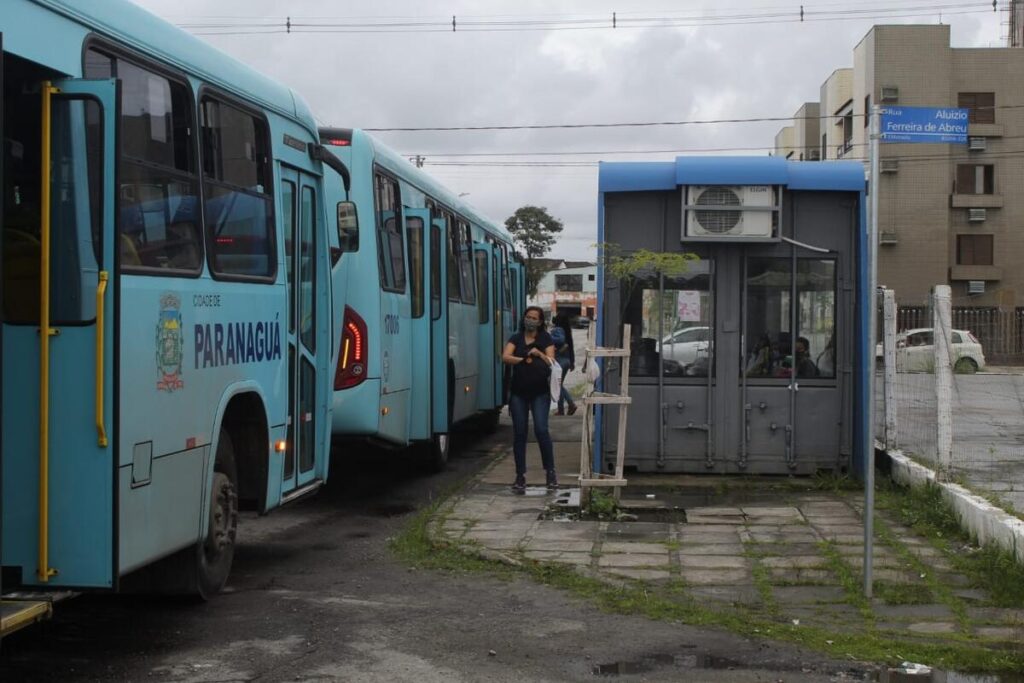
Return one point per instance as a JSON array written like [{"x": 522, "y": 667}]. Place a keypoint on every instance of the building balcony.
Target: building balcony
[
  {"x": 985, "y": 130},
  {"x": 976, "y": 201},
  {"x": 989, "y": 273}
]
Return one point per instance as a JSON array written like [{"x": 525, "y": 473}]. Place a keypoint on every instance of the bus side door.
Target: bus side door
[
  {"x": 420, "y": 271},
  {"x": 58, "y": 347},
  {"x": 440, "y": 407},
  {"x": 490, "y": 360}
]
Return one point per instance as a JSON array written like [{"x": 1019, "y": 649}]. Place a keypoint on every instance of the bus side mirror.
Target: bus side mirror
[{"x": 348, "y": 227}]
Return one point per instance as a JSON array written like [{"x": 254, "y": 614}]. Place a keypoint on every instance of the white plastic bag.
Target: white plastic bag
[
  {"x": 555, "y": 384},
  {"x": 591, "y": 370}
]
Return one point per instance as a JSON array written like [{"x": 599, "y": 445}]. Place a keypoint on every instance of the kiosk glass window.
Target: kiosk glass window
[
  {"x": 672, "y": 321},
  {"x": 816, "y": 343},
  {"x": 768, "y": 351}
]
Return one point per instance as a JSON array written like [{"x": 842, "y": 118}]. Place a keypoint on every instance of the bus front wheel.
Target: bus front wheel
[
  {"x": 440, "y": 447},
  {"x": 216, "y": 552}
]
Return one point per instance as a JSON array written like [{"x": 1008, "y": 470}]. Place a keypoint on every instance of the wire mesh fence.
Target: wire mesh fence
[{"x": 950, "y": 392}]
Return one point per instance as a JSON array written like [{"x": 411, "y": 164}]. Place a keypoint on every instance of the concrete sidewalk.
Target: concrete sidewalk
[{"x": 765, "y": 545}]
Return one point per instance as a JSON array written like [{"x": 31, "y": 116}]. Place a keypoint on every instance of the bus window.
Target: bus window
[
  {"x": 415, "y": 235},
  {"x": 507, "y": 299},
  {"x": 237, "y": 192},
  {"x": 435, "y": 273},
  {"x": 390, "y": 251},
  {"x": 289, "y": 226},
  {"x": 481, "y": 287},
  {"x": 454, "y": 269},
  {"x": 159, "y": 216},
  {"x": 307, "y": 270},
  {"x": 466, "y": 263},
  {"x": 515, "y": 299}
]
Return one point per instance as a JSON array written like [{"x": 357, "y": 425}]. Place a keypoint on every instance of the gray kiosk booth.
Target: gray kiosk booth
[{"x": 753, "y": 360}]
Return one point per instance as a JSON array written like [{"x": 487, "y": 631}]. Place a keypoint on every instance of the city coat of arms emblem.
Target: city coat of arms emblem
[{"x": 169, "y": 344}]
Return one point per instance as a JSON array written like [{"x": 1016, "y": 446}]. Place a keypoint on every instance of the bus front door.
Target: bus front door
[
  {"x": 304, "y": 441},
  {"x": 59, "y": 284}
]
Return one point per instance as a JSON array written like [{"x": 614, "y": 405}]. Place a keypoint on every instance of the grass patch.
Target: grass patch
[
  {"x": 903, "y": 594},
  {"x": 990, "y": 568},
  {"x": 849, "y": 579},
  {"x": 762, "y": 579},
  {"x": 673, "y": 603}
]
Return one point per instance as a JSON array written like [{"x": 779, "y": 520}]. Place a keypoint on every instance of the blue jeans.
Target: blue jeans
[
  {"x": 520, "y": 408},
  {"x": 565, "y": 395}
]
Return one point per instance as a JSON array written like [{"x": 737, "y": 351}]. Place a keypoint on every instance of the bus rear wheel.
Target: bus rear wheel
[
  {"x": 215, "y": 553},
  {"x": 437, "y": 452}
]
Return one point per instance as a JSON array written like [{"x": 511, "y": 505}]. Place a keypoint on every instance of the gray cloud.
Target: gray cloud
[{"x": 446, "y": 79}]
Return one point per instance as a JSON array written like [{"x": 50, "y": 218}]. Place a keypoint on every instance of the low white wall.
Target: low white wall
[{"x": 980, "y": 518}]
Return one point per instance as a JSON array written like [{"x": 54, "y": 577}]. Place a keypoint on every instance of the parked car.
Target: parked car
[
  {"x": 581, "y": 322},
  {"x": 686, "y": 345},
  {"x": 915, "y": 351}
]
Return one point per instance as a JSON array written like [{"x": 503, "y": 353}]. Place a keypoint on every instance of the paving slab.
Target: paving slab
[
  {"x": 914, "y": 613},
  {"x": 641, "y": 574},
  {"x": 801, "y": 575},
  {"x": 712, "y": 549},
  {"x": 540, "y": 544},
  {"x": 632, "y": 560},
  {"x": 795, "y": 562},
  {"x": 932, "y": 627},
  {"x": 638, "y": 547},
  {"x": 712, "y": 561},
  {"x": 714, "y": 577},
  {"x": 1000, "y": 633}
]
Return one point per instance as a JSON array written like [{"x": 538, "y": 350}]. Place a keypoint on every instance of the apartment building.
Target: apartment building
[{"x": 947, "y": 213}]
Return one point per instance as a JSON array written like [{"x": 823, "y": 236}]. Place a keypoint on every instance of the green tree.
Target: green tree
[
  {"x": 628, "y": 268},
  {"x": 534, "y": 230}
]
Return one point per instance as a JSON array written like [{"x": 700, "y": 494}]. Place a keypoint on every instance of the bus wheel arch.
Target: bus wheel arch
[{"x": 245, "y": 422}]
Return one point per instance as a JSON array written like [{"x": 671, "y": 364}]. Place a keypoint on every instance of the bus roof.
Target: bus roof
[
  {"x": 428, "y": 184},
  {"x": 146, "y": 33}
]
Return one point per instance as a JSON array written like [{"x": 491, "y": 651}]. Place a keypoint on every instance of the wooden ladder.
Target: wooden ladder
[{"x": 588, "y": 478}]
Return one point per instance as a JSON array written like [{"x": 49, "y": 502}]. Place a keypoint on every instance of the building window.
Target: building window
[
  {"x": 844, "y": 119},
  {"x": 974, "y": 250},
  {"x": 824, "y": 149},
  {"x": 867, "y": 110},
  {"x": 981, "y": 105},
  {"x": 975, "y": 179},
  {"x": 590, "y": 278},
  {"x": 569, "y": 283}
]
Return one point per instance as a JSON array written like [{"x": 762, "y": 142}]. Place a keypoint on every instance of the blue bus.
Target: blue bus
[
  {"x": 165, "y": 300},
  {"x": 433, "y": 290}
]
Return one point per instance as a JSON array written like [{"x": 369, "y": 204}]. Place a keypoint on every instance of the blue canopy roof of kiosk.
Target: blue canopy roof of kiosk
[{"x": 616, "y": 176}]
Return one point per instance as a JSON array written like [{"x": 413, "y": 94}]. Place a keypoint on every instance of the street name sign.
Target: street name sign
[{"x": 924, "y": 124}]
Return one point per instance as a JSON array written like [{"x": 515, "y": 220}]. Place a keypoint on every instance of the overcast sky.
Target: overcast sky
[{"x": 557, "y": 76}]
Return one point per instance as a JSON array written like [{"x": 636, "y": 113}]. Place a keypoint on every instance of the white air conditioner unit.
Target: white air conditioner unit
[
  {"x": 890, "y": 94},
  {"x": 976, "y": 215},
  {"x": 888, "y": 165},
  {"x": 976, "y": 144},
  {"x": 975, "y": 286},
  {"x": 730, "y": 212}
]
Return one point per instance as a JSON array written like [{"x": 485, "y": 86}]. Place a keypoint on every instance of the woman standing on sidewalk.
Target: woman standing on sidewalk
[{"x": 531, "y": 353}]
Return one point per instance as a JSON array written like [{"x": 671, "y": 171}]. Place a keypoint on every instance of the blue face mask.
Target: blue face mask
[{"x": 530, "y": 324}]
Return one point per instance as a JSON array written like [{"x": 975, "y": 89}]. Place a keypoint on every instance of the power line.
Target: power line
[
  {"x": 635, "y": 124},
  {"x": 612, "y": 21}
]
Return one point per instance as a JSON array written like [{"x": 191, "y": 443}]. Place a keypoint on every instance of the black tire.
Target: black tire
[
  {"x": 437, "y": 452},
  {"x": 216, "y": 551},
  {"x": 965, "y": 366}
]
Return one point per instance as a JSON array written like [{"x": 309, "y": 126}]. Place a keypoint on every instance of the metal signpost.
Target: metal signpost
[{"x": 902, "y": 125}]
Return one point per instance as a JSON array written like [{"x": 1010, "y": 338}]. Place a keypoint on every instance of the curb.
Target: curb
[{"x": 980, "y": 518}]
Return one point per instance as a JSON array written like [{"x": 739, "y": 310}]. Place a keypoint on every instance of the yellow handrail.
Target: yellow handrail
[
  {"x": 101, "y": 289},
  {"x": 44, "y": 571}
]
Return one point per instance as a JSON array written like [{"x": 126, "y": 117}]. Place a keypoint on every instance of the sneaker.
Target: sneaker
[
  {"x": 552, "y": 480},
  {"x": 520, "y": 484},
  {"x": 572, "y": 409},
  {"x": 561, "y": 411}
]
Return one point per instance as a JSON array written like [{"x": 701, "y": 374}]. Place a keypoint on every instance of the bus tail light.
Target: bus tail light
[{"x": 352, "y": 365}]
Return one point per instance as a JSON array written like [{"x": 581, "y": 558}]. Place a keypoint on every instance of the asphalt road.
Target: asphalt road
[{"x": 315, "y": 595}]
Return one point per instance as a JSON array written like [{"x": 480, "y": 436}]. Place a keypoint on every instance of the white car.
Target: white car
[
  {"x": 915, "y": 351},
  {"x": 685, "y": 346}
]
